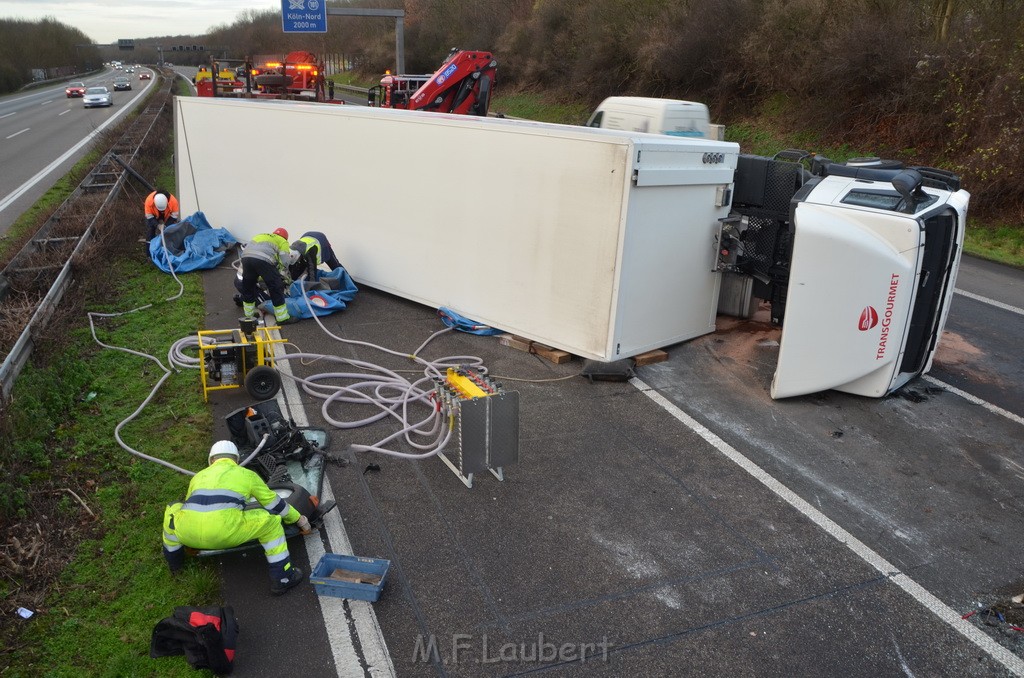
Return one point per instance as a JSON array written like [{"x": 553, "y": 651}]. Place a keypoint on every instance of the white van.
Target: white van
[{"x": 654, "y": 116}]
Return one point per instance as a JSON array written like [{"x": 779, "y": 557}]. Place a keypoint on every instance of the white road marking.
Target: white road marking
[
  {"x": 6, "y": 115},
  {"x": 336, "y": 619},
  {"x": 67, "y": 111},
  {"x": 17, "y": 133},
  {"x": 1012, "y": 662},
  {"x": 27, "y": 186},
  {"x": 991, "y": 302},
  {"x": 995, "y": 409},
  {"x": 48, "y": 101}
]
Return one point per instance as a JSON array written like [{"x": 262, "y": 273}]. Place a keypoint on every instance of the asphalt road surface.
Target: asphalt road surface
[
  {"x": 680, "y": 523},
  {"x": 43, "y": 133}
]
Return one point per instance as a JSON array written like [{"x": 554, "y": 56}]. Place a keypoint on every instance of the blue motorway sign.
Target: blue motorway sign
[{"x": 304, "y": 16}]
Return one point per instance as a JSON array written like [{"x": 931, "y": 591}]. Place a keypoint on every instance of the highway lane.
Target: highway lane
[{"x": 44, "y": 133}]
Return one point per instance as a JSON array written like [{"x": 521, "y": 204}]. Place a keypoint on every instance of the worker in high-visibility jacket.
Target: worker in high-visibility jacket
[
  {"x": 267, "y": 257},
  {"x": 212, "y": 517},
  {"x": 161, "y": 209},
  {"x": 314, "y": 249}
]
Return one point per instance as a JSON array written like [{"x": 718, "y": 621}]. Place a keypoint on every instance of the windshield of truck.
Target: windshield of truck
[{"x": 883, "y": 200}]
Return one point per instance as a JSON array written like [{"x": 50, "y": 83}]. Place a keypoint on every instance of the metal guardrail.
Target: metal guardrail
[
  {"x": 352, "y": 89},
  {"x": 108, "y": 175}
]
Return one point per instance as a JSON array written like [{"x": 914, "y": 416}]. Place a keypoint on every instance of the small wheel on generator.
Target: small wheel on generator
[{"x": 262, "y": 382}]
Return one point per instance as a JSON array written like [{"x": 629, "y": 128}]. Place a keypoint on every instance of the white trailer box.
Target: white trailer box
[{"x": 598, "y": 242}]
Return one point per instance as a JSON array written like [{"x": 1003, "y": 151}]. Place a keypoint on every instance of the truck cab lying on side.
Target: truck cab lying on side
[{"x": 858, "y": 261}]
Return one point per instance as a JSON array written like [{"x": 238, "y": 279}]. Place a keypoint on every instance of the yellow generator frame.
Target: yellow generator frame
[{"x": 243, "y": 359}]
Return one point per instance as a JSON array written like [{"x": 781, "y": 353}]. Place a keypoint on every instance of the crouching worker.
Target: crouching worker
[
  {"x": 267, "y": 256},
  {"x": 314, "y": 249},
  {"x": 161, "y": 209},
  {"x": 212, "y": 517}
]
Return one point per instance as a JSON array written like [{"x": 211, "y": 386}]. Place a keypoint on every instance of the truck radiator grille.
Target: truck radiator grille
[{"x": 940, "y": 251}]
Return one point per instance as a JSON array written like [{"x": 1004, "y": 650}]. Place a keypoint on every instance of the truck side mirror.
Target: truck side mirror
[{"x": 908, "y": 184}]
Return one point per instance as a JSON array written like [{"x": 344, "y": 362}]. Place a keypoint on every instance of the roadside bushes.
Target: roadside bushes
[{"x": 982, "y": 95}]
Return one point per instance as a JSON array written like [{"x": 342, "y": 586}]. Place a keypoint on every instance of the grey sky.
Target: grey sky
[{"x": 106, "y": 21}]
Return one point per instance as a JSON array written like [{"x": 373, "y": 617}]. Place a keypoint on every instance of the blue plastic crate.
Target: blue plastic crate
[{"x": 342, "y": 589}]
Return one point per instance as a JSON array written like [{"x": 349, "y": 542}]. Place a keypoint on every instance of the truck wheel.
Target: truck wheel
[{"x": 262, "y": 382}]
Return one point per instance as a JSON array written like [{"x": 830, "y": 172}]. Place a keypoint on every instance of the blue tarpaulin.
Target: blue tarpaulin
[
  {"x": 193, "y": 245},
  {"x": 464, "y": 324},
  {"x": 330, "y": 293}
]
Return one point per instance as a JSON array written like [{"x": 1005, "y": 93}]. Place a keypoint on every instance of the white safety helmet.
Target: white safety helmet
[
  {"x": 291, "y": 257},
  {"x": 160, "y": 202},
  {"x": 223, "y": 448}
]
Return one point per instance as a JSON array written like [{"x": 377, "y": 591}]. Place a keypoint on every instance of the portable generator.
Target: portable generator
[{"x": 233, "y": 358}]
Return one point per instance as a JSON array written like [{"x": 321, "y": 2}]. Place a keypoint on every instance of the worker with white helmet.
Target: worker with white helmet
[
  {"x": 161, "y": 210},
  {"x": 266, "y": 257},
  {"x": 212, "y": 517}
]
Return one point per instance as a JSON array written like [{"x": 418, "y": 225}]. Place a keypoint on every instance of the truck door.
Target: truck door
[{"x": 850, "y": 295}]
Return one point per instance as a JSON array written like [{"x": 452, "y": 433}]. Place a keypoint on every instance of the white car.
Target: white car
[{"x": 98, "y": 96}]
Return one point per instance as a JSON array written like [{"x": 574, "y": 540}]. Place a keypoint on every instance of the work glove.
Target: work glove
[{"x": 304, "y": 526}]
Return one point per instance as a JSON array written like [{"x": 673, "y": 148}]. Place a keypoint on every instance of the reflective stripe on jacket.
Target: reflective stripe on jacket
[
  {"x": 226, "y": 486},
  {"x": 268, "y": 247},
  {"x": 313, "y": 244}
]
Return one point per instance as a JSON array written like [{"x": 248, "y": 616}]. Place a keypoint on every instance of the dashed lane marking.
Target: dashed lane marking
[
  {"x": 995, "y": 409},
  {"x": 951, "y": 617},
  {"x": 991, "y": 302}
]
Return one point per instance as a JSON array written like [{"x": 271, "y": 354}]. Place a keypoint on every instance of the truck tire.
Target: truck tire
[{"x": 262, "y": 382}]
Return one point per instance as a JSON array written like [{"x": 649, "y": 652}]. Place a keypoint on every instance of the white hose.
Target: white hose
[
  {"x": 166, "y": 371},
  {"x": 391, "y": 393}
]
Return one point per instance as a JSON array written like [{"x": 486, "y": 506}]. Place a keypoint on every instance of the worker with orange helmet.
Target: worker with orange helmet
[
  {"x": 266, "y": 257},
  {"x": 161, "y": 209}
]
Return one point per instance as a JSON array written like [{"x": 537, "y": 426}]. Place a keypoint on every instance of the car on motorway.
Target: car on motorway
[
  {"x": 75, "y": 89},
  {"x": 145, "y": 75},
  {"x": 122, "y": 84},
  {"x": 98, "y": 96}
]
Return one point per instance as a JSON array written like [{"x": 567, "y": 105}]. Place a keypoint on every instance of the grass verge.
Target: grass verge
[
  {"x": 1000, "y": 242},
  {"x": 100, "y": 612},
  {"x": 99, "y": 583}
]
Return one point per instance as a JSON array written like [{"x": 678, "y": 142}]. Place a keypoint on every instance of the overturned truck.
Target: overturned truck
[{"x": 605, "y": 243}]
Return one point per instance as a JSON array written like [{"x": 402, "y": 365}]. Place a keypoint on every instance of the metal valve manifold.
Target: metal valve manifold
[{"x": 485, "y": 422}]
